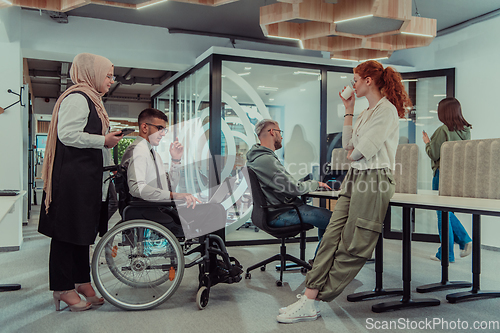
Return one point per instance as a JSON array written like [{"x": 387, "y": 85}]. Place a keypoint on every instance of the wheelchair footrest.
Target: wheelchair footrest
[{"x": 225, "y": 274}]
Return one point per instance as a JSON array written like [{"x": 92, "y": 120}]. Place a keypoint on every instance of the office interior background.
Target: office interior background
[{"x": 31, "y": 40}]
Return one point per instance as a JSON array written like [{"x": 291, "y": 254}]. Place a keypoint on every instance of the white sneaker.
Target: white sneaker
[
  {"x": 302, "y": 310},
  {"x": 467, "y": 250},
  {"x": 299, "y": 296}
]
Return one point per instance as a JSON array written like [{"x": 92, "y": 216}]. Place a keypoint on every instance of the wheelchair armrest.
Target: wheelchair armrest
[
  {"x": 143, "y": 203},
  {"x": 111, "y": 168}
]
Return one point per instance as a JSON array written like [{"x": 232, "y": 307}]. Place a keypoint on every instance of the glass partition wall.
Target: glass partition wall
[
  {"x": 215, "y": 106},
  {"x": 426, "y": 89}
]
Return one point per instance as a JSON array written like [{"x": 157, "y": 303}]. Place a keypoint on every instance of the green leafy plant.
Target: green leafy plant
[{"x": 121, "y": 146}]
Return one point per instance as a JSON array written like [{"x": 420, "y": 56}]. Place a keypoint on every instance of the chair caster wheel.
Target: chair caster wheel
[
  {"x": 279, "y": 283},
  {"x": 263, "y": 268},
  {"x": 248, "y": 276},
  {"x": 303, "y": 270},
  {"x": 202, "y": 297}
]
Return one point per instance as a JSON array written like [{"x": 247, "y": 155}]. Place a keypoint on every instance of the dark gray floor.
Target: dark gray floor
[{"x": 251, "y": 305}]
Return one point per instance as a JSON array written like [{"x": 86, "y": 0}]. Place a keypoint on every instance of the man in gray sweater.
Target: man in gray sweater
[{"x": 278, "y": 185}]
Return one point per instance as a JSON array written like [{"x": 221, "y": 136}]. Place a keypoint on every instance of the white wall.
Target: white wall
[
  {"x": 474, "y": 52},
  {"x": 11, "y": 120},
  {"x": 11, "y": 124}
]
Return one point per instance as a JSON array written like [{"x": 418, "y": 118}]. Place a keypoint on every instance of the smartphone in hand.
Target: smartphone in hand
[{"x": 127, "y": 131}]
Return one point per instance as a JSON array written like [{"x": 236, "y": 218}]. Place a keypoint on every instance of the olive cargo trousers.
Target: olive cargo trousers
[{"x": 353, "y": 231}]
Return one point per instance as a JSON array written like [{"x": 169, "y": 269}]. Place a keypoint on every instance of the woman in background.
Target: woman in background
[
  {"x": 455, "y": 128},
  {"x": 77, "y": 144}
]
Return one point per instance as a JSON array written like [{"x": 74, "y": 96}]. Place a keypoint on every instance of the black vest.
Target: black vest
[{"x": 76, "y": 189}]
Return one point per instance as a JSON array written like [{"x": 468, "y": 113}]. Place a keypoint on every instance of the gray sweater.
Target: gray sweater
[{"x": 276, "y": 183}]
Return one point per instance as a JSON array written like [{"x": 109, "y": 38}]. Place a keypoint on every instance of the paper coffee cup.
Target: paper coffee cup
[{"x": 347, "y": 92}]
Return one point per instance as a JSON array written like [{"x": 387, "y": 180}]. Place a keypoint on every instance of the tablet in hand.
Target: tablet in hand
[{"x": 127, "y": 131}]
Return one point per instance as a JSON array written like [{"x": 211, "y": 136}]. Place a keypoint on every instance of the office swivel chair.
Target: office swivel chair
[{"x": 259, "y": 218}]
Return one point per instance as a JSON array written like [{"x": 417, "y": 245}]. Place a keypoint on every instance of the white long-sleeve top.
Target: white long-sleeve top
[
  {"x": 141, "y": 172},
  {"x": 374, "y": 137},
  {"x": 71, "y": 120}
]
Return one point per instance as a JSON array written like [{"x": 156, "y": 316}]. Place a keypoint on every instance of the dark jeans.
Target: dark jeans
[{"x": 316, "y": 216}]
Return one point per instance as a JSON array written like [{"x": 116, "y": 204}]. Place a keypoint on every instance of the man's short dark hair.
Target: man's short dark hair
[{"x": 148, "y": 114}]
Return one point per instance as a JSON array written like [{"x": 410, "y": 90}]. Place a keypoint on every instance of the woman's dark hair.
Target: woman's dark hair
[
  {"x": 450, "y": 114},
  {"x": 389, "y": 83},
  {"x": 148, "y": 114}
]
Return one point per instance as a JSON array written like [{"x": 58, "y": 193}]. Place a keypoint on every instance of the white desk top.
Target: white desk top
[
  {"x": 7, "y": 202},
  {"x": 458, "y": 204},
  {"x": 431, "y": 200}
]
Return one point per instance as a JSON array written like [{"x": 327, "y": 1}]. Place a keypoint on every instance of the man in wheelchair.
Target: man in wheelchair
[
  {"x": 148, "y": 180},
  {"x": 152, "y": 188}
]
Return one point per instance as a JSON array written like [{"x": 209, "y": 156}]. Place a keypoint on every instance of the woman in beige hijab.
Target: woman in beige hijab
[{"x": 72, "y": 172}]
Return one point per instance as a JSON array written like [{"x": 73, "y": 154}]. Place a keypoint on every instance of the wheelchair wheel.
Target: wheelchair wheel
[{"x": 138, "y": 265}]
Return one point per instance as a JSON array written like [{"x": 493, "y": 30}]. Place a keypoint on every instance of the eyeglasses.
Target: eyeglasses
[
  {"x": 159, "y": 128},
  {"x": 111, "y": 77},
  {"x": 277, "y": 130}
]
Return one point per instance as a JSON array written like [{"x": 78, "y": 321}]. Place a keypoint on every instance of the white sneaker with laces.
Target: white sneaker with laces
[
  {"x": 299, "y": 296},
  {"x": 467, "y": 250},
  {"x": 302, "y": 310}
]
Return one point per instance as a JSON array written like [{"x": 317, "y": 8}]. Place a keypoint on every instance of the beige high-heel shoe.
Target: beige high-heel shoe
[
  {"x": 92, "y": 299},
  {"x": 80, "y": 306}
]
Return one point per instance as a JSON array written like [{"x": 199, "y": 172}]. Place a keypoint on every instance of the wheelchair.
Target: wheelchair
[{"x": 139, "y": 263}]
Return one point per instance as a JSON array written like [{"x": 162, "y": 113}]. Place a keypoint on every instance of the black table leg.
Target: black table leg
[
  {"x": 379, "y": 291},
  {"x": 475, "y": 293},
  {"x": 406, "y": 301},
  {"x": 9, "y": 287},
  {"x": 445, "y": 254}
]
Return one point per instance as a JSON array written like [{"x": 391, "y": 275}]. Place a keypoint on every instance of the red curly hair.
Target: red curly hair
[{"x": 389, "y": 83}]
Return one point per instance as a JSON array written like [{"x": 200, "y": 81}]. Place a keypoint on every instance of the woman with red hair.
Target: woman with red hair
[{"x": 358, "y": 217}]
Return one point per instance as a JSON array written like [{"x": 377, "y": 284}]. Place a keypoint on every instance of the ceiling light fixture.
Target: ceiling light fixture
[
  {"x": 319, "y": 24},
  {"x": 149, "y": 3},
  {"x": 433, "y": 111},
  {"x": 440, "y": 95},
  {"x": 415, "y": 34},
  {"x": 305, "y": 73},
  {"x": 354, "y": 18},
  {"x": 248, "y": 68},
  {"x": 333, "y": 58},
  {"x": 381, "y": 58},
  {"x": 267, "y": 88},
  {"x": 343, "y": 77},
  {"x": 426, "y": 117},
  {"x": 409, "y": 80},
  {"x": 289, "y": 38},
  {"x": 243, "y": 74}
]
